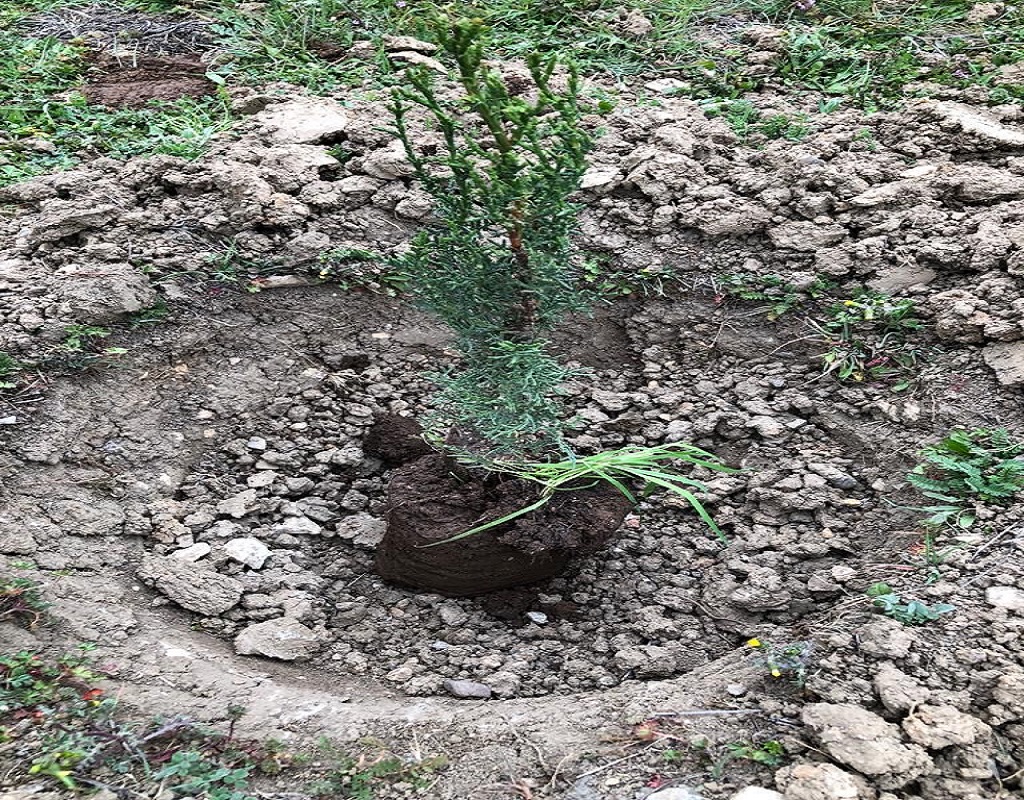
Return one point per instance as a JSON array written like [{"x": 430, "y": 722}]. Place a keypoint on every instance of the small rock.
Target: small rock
[
  {"x": 505, "y": 684},
  {"x": 897, "y": 690},
  {"x": 16, "y": 541},
  {"x": 467, "y": 689},
  {"x": 239, "y": 505},
  {"x": 298, "y": 526},
  {"x": 834, "y": 475},
  {"x": 284, "y": 639},
  {"x": 247, "y": 550},
  {"x": 400, "y": 674},
  {"x": 363, "y": 530},
  {"x": 201, "y": 590},
  {"x": 767, "y": 427},
  {"x": 261, "y": 479},
  {"x": 821, "y": 782},
  {"x": 304, "y": 121},
  {"x": 636, "y": 24},
  {"x": 676, "y": 793},
  {"x": 192, "y": 553},
  {"x": 937, "y": 727},
  {"x": 666, "y": 85},
  {"x": 865, "y": 742},
  {"x": 736, "y": 689},
  {"x": 257, "y": 443},
  {"x": 452, "y": 615},
  {"x": 1008, "y": 597},
  {"x": 647, "y": 661},
  {"x": 885, "y": 638},
  {"x": 975, "y": 121},
  {"x": 392, "y": 43},
  {"x": 597, "y": 178},
  {"x": 538, "y": 617},
  {"x": 419, "y": 60},
  {"x": 389, "y": 163},
  {"x": 757, "y": 793}
]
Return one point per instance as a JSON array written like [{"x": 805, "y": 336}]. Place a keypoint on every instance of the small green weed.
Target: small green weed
[
  {"x": 64, "y": 729},
  {"x": 30, "y": 683},
  {"x": 151, "y": 315},
  {"x": 866, "y": 340},
  {"x": 607, "y": 281},
  {"x": 747, "y": 121},
  {"x": 781, "y": 295},
  {"x": 354, "y": 268},
  {"x": 790, "y": 660},
  {"x": 79, "y": 337},
  {"x": 10, "y": 367},
  {"x": 21, "y": 601},
  {"x": 913, "y": 612},
  {"x": 968, "y": 468},
  {"x": 191, "y": 773},
  {"x": 769, "y": 753},
  {"x": 359, "y": 777}
]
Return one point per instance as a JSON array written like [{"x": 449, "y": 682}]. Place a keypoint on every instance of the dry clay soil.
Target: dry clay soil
[{"x": 203, "y": 500}]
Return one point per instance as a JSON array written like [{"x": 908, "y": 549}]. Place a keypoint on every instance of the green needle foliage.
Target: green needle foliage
[{"x": 496, "y": 265}]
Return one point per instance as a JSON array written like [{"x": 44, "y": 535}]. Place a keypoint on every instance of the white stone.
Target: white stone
[
  {"x": 192, "y": 553},
  {"x": 239, "y": 505},
  {"x": 757, "y": 793},
  {"x": 676, "y": 793},
  {"x": 283, "y": 639},
  {"x": 304, "y": 121},
  {"x": 261, "y": 479},
  {"x": 298, "y": 526},
  {"x": 1007, "y": 597},
  {"x": 598, "y": 177},
  {"x": 247, "y": 550}
]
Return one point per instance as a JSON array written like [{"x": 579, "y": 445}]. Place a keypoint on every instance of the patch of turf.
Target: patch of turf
[{"x": 49, "y": 126}]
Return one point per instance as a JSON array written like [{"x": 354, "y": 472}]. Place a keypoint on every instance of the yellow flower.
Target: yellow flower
[
  {"x": 776, "y": 673},
  {"x": 849, "y": 303},
  {"x": 753, "y": 642}
]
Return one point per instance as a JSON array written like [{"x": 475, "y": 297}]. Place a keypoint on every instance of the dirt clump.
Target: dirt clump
[
  {"x": 132, "y": 82},
  {"x": 427, "y": 505}
]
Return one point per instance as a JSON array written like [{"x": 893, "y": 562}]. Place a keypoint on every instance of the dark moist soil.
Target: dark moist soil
[
  {"x": 133, "y": 82},
  {"x": 428, "y": 502}
]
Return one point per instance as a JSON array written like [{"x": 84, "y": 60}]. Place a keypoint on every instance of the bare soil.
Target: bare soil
[{"x": 132, "y": 81}]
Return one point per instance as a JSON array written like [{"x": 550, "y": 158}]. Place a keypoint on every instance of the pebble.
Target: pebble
[
  {"x": 676, "y": 793},
  {"x": 1008, "y": 597},
  {"x": 247, "y": 550},
  {"x": 193, "y": 553},
  {"x": 298, "y": 526},
  {"x": 757, "y": 793},
  {"x": 467, "y": 689}
]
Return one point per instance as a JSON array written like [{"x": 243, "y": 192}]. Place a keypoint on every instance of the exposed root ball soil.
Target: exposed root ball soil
[{"x": 429, "y": 503}]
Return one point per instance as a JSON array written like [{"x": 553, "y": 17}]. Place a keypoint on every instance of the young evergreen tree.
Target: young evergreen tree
[{"x": 496, "y": 263}]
